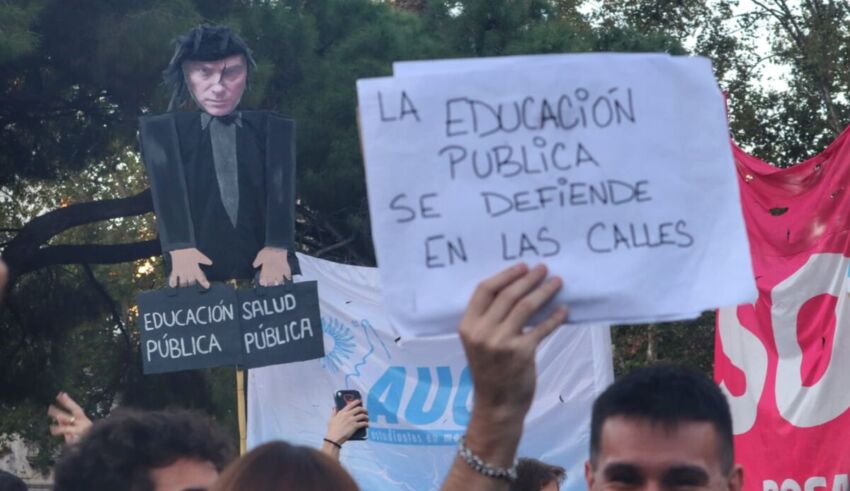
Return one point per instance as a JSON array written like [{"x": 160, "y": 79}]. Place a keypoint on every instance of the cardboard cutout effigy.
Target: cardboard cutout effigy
[
  {"x": 223, "y": 181},
  {"x": 223, "y": 188}
]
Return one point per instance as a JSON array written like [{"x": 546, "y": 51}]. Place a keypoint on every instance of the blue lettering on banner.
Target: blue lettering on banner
[
  {"x": 385, "y": 396},
  {"x": 385, "y": 405},
  {"x": 416, "y": 413},
  {"x": 415, "y": 437}
]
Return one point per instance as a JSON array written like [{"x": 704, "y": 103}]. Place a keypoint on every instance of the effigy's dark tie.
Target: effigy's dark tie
[{"x": 223, "y": 137}]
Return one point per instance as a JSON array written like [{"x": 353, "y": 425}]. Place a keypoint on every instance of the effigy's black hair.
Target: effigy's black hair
[{"x": 205, "y": 42}]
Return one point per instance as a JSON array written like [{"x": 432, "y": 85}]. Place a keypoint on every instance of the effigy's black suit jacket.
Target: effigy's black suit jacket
[{"x": 178, "y": 157}]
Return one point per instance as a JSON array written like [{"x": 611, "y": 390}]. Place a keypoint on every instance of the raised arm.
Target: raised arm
[
  {"x": 501, "y": 359},
  {"x": 342, "y": 425}
]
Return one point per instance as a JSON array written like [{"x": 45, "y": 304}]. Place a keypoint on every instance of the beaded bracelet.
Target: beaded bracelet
[{"x": 478, "y": 465}]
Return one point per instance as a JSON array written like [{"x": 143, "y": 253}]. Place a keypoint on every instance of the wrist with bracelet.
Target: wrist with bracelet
[
  {"x": 335, "y": 444},
  {"x": 478, "y": 464}
]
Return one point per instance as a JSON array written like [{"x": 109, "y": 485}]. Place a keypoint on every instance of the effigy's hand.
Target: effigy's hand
[
  {"x": 274, "y": 266},
  {"x": 186, "y": 269}
]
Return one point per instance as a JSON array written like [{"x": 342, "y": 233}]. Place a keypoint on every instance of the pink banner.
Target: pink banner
[{"x": 784, "y": 362}]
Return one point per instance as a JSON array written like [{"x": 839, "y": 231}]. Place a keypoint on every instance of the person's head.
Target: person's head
[
  {"x": 11, "y": 482},
  {"x": 211, "y": 64},
  {"x": 279, "y": 466},
  {"x": 145, "y": 451},
  {"x": 662, "y": 427},
  {"x": 534, "y": 475}
]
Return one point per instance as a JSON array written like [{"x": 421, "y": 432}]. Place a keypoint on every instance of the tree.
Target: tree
[{"x": 811, "y": 40}]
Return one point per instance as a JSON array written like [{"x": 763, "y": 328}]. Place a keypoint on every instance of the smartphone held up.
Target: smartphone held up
[{"x": 343, "y": 398}]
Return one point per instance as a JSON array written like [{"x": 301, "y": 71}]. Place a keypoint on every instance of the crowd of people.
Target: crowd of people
[{"x": 660, "y": 427}]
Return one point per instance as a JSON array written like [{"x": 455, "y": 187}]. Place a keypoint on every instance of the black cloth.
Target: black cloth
[{"x": 187, "y": 202}]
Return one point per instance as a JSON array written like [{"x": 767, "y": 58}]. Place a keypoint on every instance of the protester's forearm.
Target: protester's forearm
[
  {"x": 501, "y": 360},
  {"x": 462, "y": 478},
  {"x": 330, "y": 450},
  {"x": 492, "y": 435}
]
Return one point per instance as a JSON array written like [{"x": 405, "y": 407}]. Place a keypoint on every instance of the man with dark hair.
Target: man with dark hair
[
  {"x": 145, "y": 451},
  {"x": 534, "y": 475},
  {"x": 222, "y": 180},
  {"x": 662, "y": 426}
]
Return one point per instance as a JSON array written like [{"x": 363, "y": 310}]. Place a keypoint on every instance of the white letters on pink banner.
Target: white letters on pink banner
[
  {"x": 830, "y": 397},
  {"x": 779, "y": 406}
]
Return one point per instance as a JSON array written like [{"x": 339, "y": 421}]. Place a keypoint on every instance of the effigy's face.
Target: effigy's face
[{"x": 217, "y": 86}]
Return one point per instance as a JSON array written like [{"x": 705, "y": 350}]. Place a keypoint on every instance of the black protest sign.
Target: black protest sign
[
  {"x": 189, "y": 328},
  {"x": 281, "y": 324}
]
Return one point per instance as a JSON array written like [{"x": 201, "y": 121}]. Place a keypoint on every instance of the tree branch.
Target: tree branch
[
  {"x": 25, "y": 253},
  {"x": 91, "y": 254},
  {"x": 785, "y": 17},
  {"x": 42, "y": 228},
  {"x": 110, "y": 302},
  {"x": 321, "y": 252},
  {"x": 324, "y": 225}
]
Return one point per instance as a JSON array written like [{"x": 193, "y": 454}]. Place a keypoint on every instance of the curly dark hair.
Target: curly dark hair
[
  {"x": 206, "y": 42},
  {"x": 533, "y": 474},
  {"x": 119, "y": 452}
]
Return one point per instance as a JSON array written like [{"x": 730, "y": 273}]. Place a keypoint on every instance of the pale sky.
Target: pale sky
[{"x": 773, "y": 74}]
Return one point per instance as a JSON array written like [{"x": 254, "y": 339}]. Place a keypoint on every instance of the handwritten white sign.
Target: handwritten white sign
[
  {"x": 615, "y": 171},
  {"x": 429, "y": 67}
]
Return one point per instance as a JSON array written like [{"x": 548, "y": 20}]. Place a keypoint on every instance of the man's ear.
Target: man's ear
[
  {"x": 588, "y": 474},
  {"x": 736, "y": 479}
]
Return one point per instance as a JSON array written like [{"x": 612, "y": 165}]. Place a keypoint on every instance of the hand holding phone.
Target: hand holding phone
[{"x": 350, "y": 419}]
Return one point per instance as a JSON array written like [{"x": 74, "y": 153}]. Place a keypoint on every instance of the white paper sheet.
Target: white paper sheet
[{"x": 614, "y": 170}]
